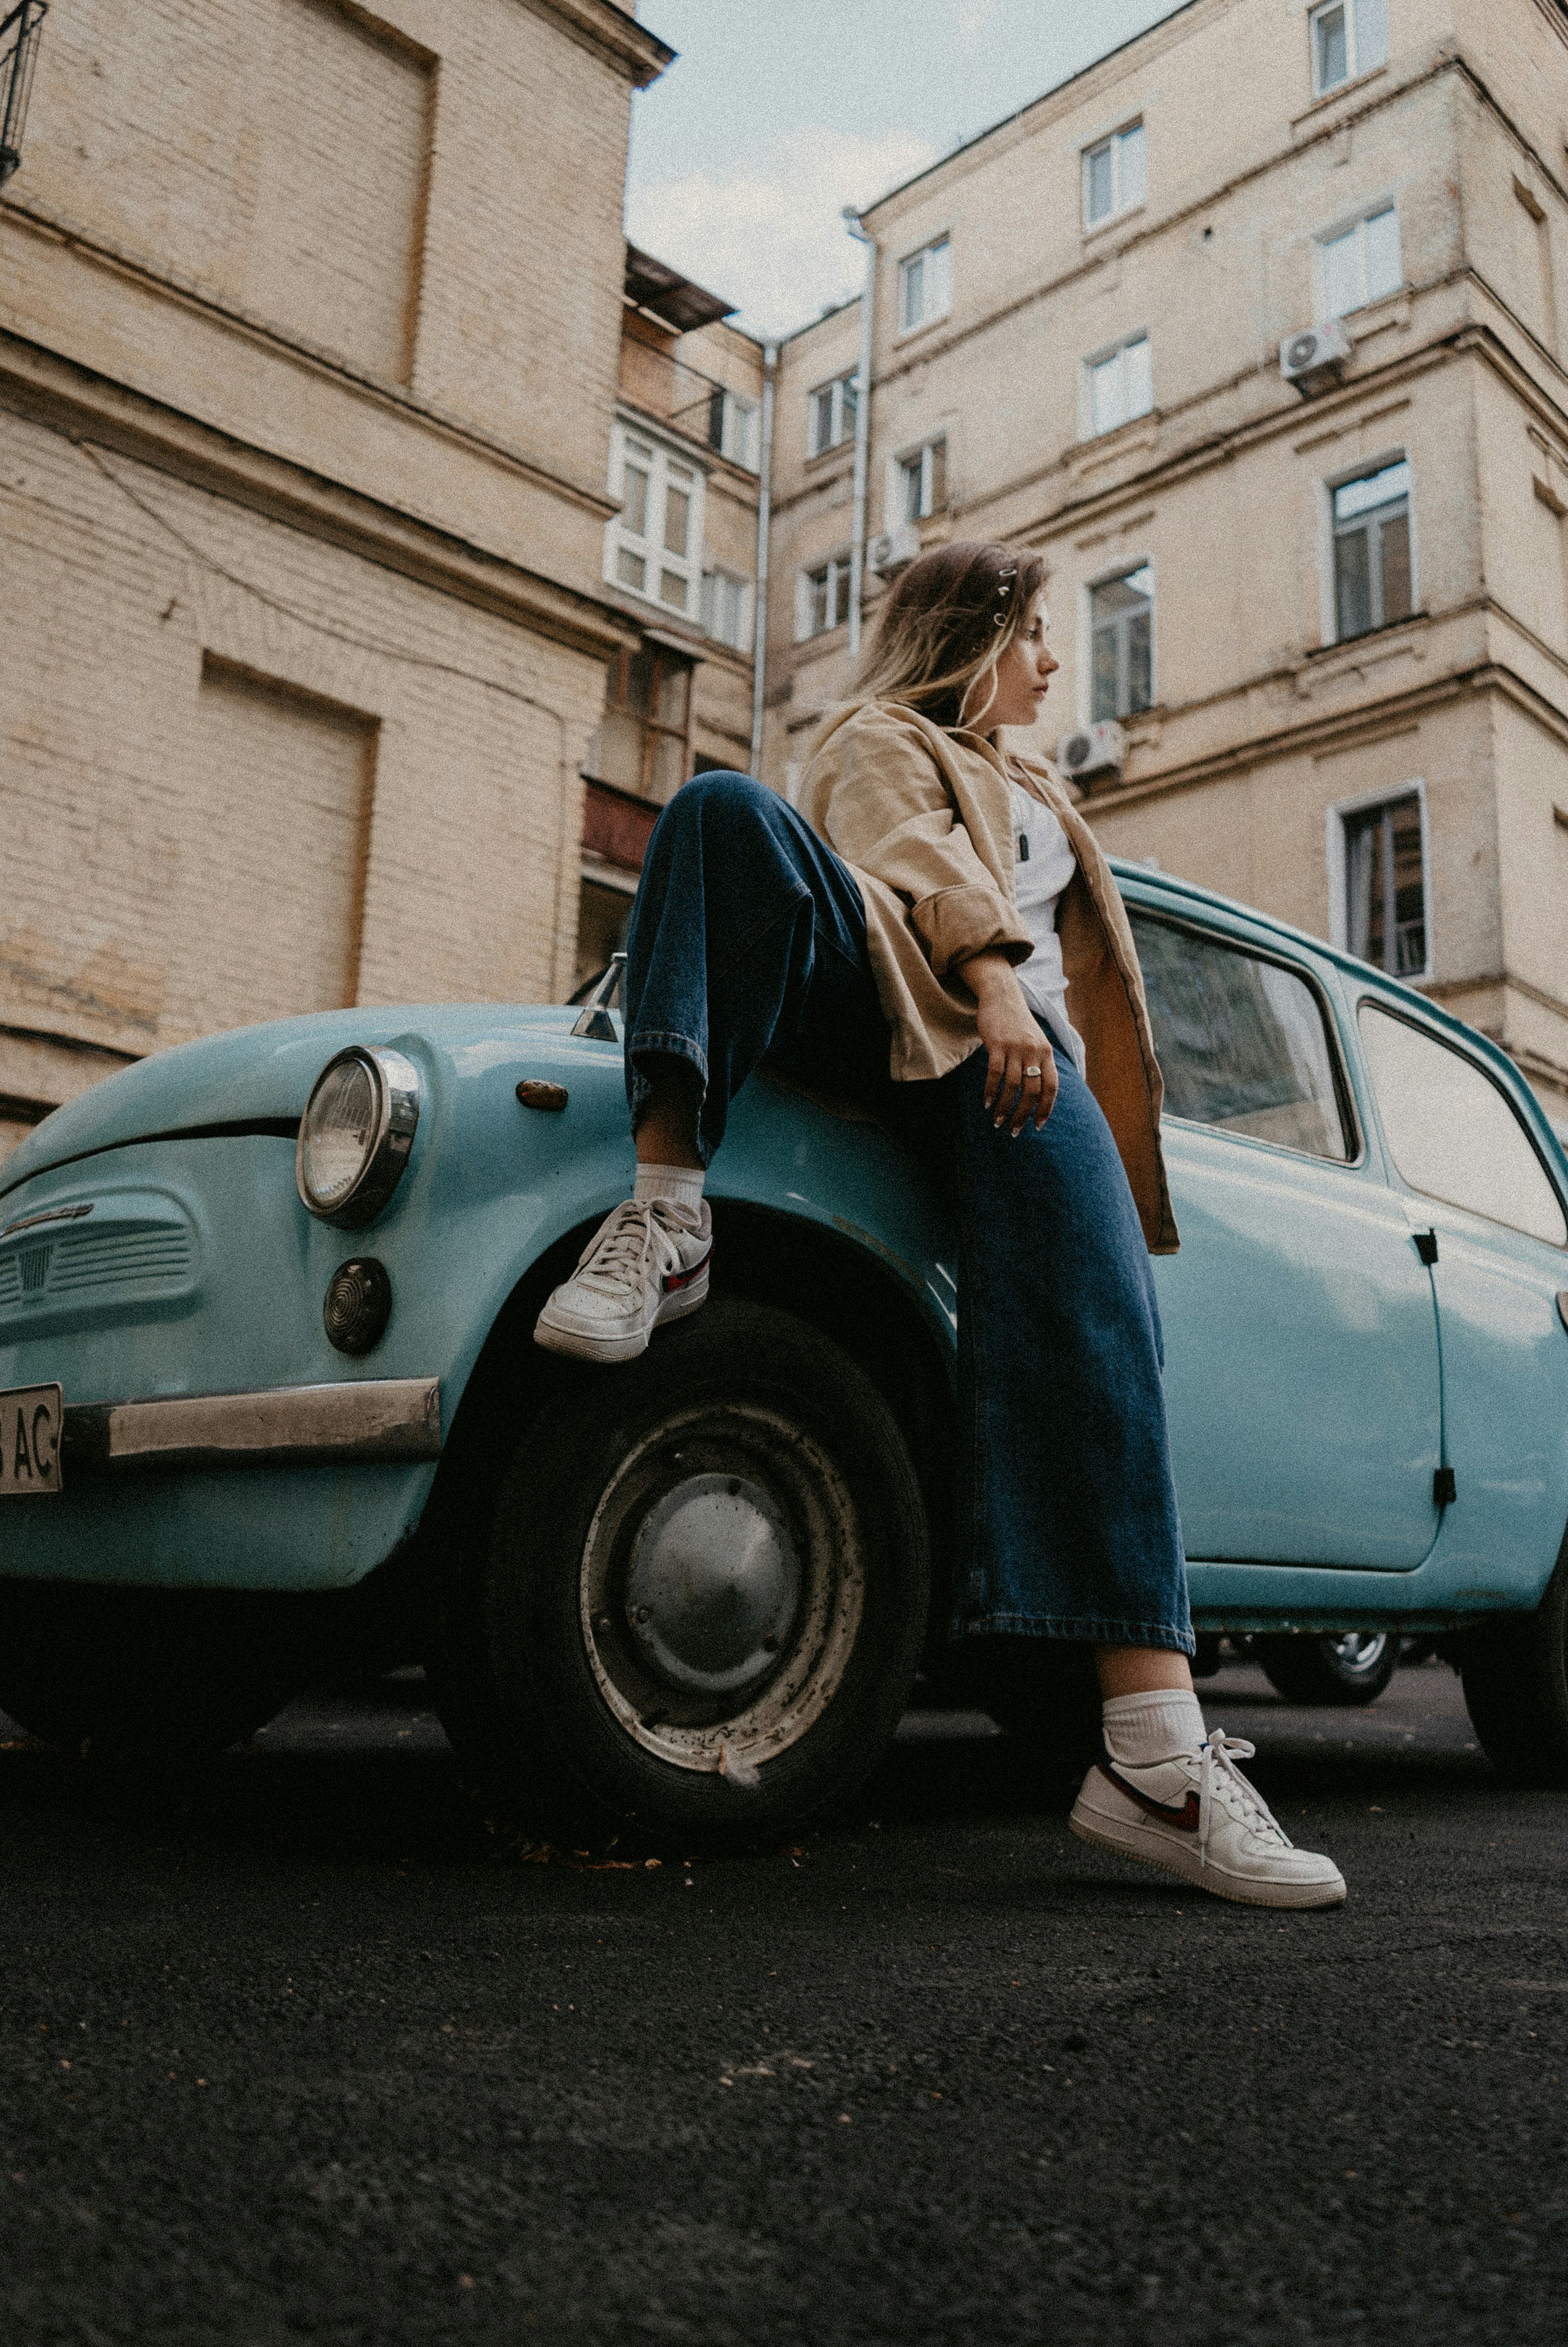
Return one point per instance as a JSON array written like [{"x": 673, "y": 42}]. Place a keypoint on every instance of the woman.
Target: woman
[{"x": 937, "y": 932}]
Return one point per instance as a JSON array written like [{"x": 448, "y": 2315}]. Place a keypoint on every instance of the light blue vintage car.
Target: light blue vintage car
[{"x": 266, "y": 1305}]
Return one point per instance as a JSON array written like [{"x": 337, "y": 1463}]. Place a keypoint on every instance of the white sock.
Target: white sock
[
  {"x": 1140, "y": 1729},
  {"x": 681, "y": 1183}
]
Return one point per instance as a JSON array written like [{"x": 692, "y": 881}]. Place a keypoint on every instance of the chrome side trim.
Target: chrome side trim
[{"x": 383, "y": 1419}]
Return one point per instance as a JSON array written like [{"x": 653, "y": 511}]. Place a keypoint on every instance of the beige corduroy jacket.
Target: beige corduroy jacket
[{"x": 924, "y": 819}]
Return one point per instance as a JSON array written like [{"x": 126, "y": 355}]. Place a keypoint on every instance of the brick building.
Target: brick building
[
  {"x": 1328, "y": 609},
  {"x": 310, "y": 318}
]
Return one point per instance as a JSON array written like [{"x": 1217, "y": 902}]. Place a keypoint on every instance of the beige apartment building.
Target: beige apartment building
[
  {"x": 1256, "y": 328},
  {"x": 317, "y": 413},
  {"x": 681, "y": 561}
]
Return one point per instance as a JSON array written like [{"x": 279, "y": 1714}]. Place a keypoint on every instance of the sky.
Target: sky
[{"x": 776, "y": 113}]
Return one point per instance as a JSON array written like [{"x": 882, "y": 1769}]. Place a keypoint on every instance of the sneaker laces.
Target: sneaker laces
[
  {"x": 1219, "y": 1779},
  {"x": 619, "y": 1252}
]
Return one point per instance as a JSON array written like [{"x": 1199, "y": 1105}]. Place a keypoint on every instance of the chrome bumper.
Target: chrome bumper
[{"x": 386, "y": 1419}]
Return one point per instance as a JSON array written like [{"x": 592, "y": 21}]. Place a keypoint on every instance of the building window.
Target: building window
[
  {"x": 833, "y": 410},
  {"x": 726, "y": 609},
  {"x": 1385, "y": 886},
  {"x": 1113, "y": 175},
  {"x": 922, "y": 487},
  {"x": 643, "y": 738},
  {"x": 824, "y": 597},
  {"x": 1119, "y": 383},
  {"x": 735, "y": 427},
  {"x": 652, "y": 545},
  {"x": 1121, "y": 644},
  {"x": 1372, "y": 551},
  {"x": 925, "y": 286},
  {"x": 1348, "y": 37},
  {"x": 1360, "y": 264}
]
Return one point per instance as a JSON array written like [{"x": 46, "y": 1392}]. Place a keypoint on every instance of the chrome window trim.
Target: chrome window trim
[
  {"x": 372, "y": 1421},
  {"x": 1345, "y": 1094},
  {"x": 397, "y": 1081},
  {"x": 1369, "y": 996}
]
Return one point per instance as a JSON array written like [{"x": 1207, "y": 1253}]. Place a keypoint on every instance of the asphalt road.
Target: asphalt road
[{"x": 295, "y": 2054}]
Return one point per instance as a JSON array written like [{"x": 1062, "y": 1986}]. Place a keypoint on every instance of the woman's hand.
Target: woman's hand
[{"x": 1014, "y": 1042}]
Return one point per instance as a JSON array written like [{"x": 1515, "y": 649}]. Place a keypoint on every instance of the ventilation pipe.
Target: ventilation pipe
[
  {"x": 862, "y": 426},
  {"x": 765, "y": 531}
]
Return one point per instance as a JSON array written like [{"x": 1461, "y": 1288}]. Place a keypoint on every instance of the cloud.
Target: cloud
[{"x": 768, "y": 235}]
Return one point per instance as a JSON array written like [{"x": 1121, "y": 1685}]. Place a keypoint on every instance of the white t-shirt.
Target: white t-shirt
[{"x": 1046, "y": 863}]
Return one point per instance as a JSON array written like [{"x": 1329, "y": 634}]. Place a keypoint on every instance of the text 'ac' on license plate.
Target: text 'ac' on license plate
[{"x": 30, "y": 1420}]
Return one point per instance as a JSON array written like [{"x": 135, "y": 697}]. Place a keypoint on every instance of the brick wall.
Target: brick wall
[{"x": 159, "y": 806}]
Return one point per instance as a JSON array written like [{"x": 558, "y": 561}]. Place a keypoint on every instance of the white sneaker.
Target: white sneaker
[
  {"x": 646, "y": 1263},
  {"x": 1196, "y": 1816}
]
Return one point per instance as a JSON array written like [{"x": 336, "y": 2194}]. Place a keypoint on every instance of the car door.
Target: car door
[
  {"x": 1482, "y": 1185},
  {"x": 1301, "y": 1353}
]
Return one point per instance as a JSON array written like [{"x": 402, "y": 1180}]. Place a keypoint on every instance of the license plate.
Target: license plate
[{"x": 30, "y": 1442}]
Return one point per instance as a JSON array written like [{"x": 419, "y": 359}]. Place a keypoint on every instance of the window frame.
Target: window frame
[
  {"x": 1331, "y": 485},
  {"x": 924, "y": 454},
  {"x": 1354, "y": 65},
  {"x": 1355, "y": 225},
  {"x": 806, "y": 577},
  {"x": 1391, "y": 1009},
  {"x": 1121, "y": 205},
  {"x": 745, "y": 587},
  {"x": 1108, "y": 578},
  {"x": 1352, "y": 1124},
  {"x": 740, "y": 425},
  {"x": 840, "y": 433},
  {"x": 617, "y": 703},
  {"x": 1338, "y": 819},
  {"x": 649, "y": 546},
  {"x": 1088, "y": 429},
  {"x": 929, "y": 317}
]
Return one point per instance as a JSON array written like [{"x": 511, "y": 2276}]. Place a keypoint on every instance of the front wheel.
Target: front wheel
[
  {"x": 704, "y": 1594},
  {"x": 1343, "y": 1668},
  {"x": 1515, "y": 1672}
]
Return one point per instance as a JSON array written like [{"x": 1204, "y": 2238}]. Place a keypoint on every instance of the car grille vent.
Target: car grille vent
[
  {"x": 110, "y": 1258},
  {"x": 95, "y": 1262}
]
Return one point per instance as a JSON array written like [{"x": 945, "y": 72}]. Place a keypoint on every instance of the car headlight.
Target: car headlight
[{"x": 355, "y": 1135}]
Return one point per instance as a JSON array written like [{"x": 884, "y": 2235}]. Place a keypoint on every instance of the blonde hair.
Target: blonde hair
[{"x": 946, "y": 625}]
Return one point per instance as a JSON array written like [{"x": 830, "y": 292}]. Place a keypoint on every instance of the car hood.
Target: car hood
[{"x": 256, "y": 1079}]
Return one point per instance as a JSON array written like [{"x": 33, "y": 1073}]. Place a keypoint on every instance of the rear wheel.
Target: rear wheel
[
  {"x": 1344, "y": 1668},
  {"x": 139, "y": 1672},
  {"x": 1515, "y": 1672},
  {"x": 701, "y": 1608}
]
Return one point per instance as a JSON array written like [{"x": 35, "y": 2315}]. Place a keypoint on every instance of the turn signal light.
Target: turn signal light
[{"x": 358, "y": 1305}]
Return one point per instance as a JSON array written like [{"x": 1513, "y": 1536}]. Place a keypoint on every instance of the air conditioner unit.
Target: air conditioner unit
[
  {"x": 893, "y": 549},
  {"x": 1094, "y": 750},
  {"x": 1314, "y": 356}
]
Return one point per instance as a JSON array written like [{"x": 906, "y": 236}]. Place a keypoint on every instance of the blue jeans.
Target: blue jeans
[{"x": 748, "y": 942}]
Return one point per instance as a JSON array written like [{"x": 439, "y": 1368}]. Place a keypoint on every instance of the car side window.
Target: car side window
[
  {"x": 1452, "y": 1132},
  {"x": 1241, "y": 1040}
]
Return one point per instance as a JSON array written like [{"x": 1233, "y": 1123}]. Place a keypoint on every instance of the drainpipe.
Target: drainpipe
[
  {"x": 765, "y": 529},
  {"x": 862, "y": 427}
]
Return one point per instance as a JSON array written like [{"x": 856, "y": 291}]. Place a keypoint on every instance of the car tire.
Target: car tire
[
  {"x": 1514, "y": 1673},
  {"x": 699, "y": 1613},
  {"x": 1344, "y": 1670},
  {"x": 139, "y": 1674}
]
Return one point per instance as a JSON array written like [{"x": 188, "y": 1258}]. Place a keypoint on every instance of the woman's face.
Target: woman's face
[{"x": 1023, "y": 676}]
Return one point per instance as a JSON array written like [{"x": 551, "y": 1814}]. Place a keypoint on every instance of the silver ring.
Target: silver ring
[{"x": 1031, "y": 1071}]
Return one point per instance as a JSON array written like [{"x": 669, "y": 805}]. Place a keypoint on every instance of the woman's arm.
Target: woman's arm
[{"x": 1013, "y": 1040}]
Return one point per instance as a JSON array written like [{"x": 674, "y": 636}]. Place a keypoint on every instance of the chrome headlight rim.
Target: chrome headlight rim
[{"x": 394, "y": 1080}]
